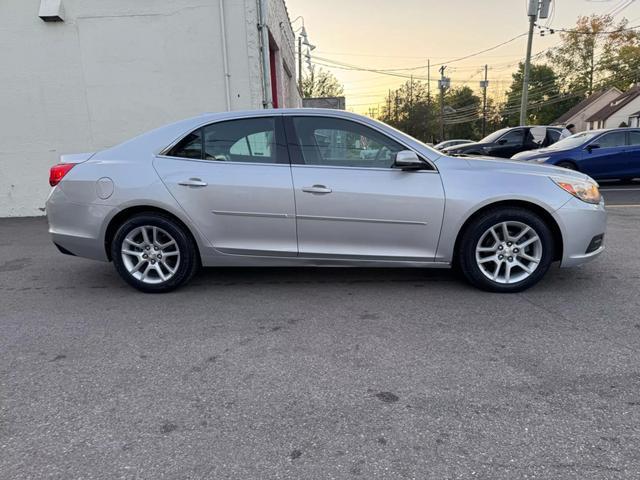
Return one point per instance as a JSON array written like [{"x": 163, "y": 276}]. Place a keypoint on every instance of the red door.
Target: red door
[{"x": 272, "y": 67}]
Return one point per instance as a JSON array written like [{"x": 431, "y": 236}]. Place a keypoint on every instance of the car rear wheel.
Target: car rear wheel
[
  {"x": 506, "y": 250},
  {"x": 153, "y": 253}
]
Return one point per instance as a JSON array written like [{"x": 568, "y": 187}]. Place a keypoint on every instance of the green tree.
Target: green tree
[
  {"x": 321, "y": 83},
  {"x": 621, "y": 59},
  {"x": 463, "y": 112},
  {"x": 592, "y": 51},
  {"x": 546, "y": 98},
  {"x": 410, "y": 109}
]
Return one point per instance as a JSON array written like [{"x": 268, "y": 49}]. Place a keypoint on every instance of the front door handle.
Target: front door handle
[
  {"x": 193, "y": 182},
  {"x": 317, "y": 189}
]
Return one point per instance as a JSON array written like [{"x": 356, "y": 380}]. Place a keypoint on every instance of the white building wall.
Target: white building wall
[
  {"x": 111, "y": 70},
  {"x": 623, "y": 114},
  {"x": 580, "y": 119}
]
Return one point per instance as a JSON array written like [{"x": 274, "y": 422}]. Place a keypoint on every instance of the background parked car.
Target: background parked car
[
  {"x": 601, "y": 154},
  {"x": 451, "y": 143},
  {"x": 509, "y": 141}
]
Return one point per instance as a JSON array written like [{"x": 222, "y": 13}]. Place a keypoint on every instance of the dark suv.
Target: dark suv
[{"x": 507, "y": 142}]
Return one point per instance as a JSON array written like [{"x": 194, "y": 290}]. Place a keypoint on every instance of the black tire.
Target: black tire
[
  {"x": 472, "y": 234},
  {"x": 188, "y": 257},
  {"x": 567, "y": 165}
]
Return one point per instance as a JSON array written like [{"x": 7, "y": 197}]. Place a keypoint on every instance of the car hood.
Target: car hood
[
  {"x": 523, "y": 168},
  {"x": 540, "y": 152},
  {"x": 462, "y": 146}
]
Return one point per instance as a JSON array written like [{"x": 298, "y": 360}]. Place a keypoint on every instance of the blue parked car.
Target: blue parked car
[{"x": 602, "y": 154}]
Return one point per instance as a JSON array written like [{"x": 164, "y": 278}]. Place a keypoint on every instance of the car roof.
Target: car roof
[{"x": 616, "y": 129}]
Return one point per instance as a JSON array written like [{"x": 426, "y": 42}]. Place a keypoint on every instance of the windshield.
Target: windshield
[
  {"x": 492, "y": 137},
  {"x": 573, "y": 141}
]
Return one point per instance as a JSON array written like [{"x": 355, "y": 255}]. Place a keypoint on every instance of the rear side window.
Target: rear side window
[
  {"x": 552, "y": 136},
  {"x": 634, "y": 138},
  {"x": 245, "y": 140},
  {"x": 189, "y": 147}
]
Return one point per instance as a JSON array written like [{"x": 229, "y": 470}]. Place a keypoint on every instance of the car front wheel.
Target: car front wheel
[
  {"x": 153, "y": 253},
  {"x": 506, "y": 250}
]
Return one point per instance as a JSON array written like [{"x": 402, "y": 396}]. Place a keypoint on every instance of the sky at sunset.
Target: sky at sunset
[{"x": 385, "y": 34}]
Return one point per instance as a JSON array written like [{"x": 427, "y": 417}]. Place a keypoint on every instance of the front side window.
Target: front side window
[
  {"x": 610, "y": 140},
  {"x": 245, "y": 140},
  {"x": 514, "y": 137},
  {"x": 343, "y": 143}
]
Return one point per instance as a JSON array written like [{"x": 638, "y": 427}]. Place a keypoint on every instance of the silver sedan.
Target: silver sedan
[{"x": 314, "y": 187}]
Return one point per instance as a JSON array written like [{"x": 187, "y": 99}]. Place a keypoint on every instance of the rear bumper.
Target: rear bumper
[
  {"x": 581, "y": 224},
  {"x": 77, "y": 229}
]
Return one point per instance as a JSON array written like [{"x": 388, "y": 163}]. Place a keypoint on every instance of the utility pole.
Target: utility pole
[
  {"x": 537, "y": 8},
  {"x": 429, "y": 81},
  {"x": 484, "y": 84},
  {"x": 396, "y": 107},
  {"x": 443, "y": 84},
  {"x": 300, "y": 63},
  {"x": 411, "y": 92}
]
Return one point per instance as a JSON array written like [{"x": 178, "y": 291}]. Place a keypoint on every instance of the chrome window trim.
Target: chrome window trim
[
  {"x": 220, "y": 162},
  {"x": 163, "y": 152},
  {"x": 379, "y": 169}
]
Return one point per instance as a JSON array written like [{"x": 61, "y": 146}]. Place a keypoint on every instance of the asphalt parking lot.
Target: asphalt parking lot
[{"x": 319, "y": 373}]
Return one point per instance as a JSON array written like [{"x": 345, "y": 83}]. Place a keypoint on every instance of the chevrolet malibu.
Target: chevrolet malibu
[{"x": 293, "y": 187}]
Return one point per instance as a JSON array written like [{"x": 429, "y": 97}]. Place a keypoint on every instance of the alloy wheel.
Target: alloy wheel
[
  {"x": 509, "y": 252},
  {"x": 150, "y": 254}
]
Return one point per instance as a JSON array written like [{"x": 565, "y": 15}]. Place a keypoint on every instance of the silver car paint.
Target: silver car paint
[{"x": 333, "y": 229}]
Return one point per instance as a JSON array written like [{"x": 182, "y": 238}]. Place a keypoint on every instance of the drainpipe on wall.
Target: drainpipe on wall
[
  {"x": 225, "y": 58},
  {"x": 267, "y": 101}
]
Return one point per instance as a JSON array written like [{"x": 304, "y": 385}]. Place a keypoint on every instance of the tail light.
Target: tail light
[{"x": 57, "y": 172}]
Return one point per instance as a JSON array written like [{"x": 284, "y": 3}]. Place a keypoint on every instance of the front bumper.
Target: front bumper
[
  {"x": 581, "y": 224},
  {"x": 77, "y": 229}
]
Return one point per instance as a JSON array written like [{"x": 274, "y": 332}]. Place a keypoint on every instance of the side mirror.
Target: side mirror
[
  {"x": 408, "y": 160},
  {"x": 502, "y": 141},
  {"x": 592, "y": 146}
]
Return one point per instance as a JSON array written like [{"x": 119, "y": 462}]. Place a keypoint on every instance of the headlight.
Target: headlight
[{"x": 585, "y": 190}]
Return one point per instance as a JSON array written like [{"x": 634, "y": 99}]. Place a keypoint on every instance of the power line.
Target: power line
[{"x": 584, "y": 32}]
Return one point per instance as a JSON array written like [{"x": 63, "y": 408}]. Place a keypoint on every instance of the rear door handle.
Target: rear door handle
[
  {"x": 317, "y": 189},
  {"x": 193, "y": 182}
]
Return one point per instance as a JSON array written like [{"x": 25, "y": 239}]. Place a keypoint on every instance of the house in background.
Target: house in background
[
  {"x": 579, "y": 113},
  {"x": 634, "y": 119},
  {"x": 79, "y": 76},
  {"x": 620, "y": 112}
]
